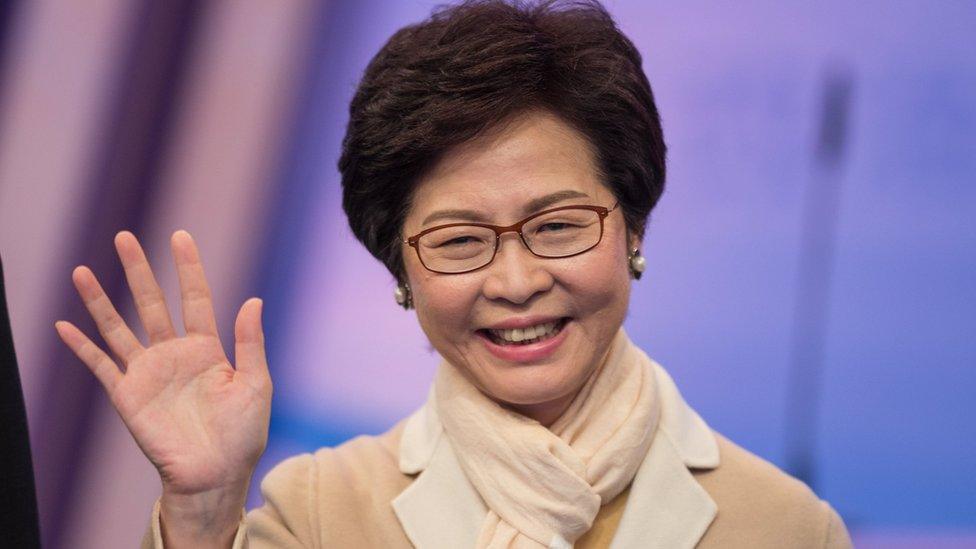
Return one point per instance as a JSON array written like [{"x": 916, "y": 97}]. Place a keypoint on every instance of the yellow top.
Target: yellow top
[{"x": 605, "y": 524}]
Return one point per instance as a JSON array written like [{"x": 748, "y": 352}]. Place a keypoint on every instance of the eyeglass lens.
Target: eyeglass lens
[{"x": 462, "y": 248}]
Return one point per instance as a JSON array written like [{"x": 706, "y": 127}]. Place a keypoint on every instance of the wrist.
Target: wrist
[{"x": 205, "y": 518}]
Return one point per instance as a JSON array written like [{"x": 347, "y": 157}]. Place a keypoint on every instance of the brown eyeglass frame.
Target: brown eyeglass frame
[{"x": 516, "y": 228}]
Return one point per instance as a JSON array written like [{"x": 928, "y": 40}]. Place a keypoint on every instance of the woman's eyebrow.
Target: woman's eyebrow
[
  {"x": 466, "y": 215},
  {"x": 537, "y": 204},
  {"x": 534, "y": 205}
]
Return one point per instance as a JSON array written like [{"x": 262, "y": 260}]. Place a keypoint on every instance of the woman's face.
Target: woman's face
[{"x": 494, "y": 179}]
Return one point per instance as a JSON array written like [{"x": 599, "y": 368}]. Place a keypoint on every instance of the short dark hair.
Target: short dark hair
[{"x": 471, "y": 66}]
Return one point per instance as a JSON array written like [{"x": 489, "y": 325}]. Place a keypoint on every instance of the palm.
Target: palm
[
  {"x": 193, "y": 416},
  {"x": 200, "y": 421}
]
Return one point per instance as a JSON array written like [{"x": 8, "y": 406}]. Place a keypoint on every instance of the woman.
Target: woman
[{"x": 502, "y": 162}]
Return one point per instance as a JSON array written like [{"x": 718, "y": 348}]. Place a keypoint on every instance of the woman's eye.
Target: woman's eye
[
  {"x": 458, "y": 241},
  {"x": 554, "y": 227}
]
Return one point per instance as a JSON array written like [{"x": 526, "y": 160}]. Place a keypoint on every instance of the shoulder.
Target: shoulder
[
  {"x": 363, "y": 464},
  {"x": 359, "y": 467},
  {"x": 337, "y": 496},
  {"x": 760, "y": 505}
]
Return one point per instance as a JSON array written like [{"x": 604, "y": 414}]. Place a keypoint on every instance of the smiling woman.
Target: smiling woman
[
  {"x": 535, "y": 162},
  {"x": 502, "y": 161}
]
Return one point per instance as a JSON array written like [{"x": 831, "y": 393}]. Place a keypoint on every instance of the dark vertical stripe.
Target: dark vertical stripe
[
  {"x": 812, "y": 300},
  {"x": 122, "y": 185},
  {"x": 9, "y": 11},
  {"x": 18, "y": 503}
]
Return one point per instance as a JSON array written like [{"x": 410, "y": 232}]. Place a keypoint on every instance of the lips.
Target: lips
[
  {"x": 527, "y": 335},
  {"x": 499, "y": 341}
]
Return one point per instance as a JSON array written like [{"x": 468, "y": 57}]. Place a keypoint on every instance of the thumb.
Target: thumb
[{"x": 249, "y": 338}]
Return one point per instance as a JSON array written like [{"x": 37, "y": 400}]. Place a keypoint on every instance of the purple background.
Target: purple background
[{"x": 248, "y": 165}]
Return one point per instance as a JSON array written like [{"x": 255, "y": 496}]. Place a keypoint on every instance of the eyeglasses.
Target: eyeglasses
[{"x": 458, "y": 248}]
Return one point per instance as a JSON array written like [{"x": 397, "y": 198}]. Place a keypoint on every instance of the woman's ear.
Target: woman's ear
[
  {"x": 635, "y": 259},
  {"x": 403, "y": 295},
  {"x": 634, "y": 242}
]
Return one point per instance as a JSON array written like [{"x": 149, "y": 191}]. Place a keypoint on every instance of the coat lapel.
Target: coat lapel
[
  {"x": 440, "y": 509},
  {"x": 666, "y": 506}
]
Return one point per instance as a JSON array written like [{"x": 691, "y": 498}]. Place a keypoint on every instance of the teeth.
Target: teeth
[{"x": 517, "y": 335}]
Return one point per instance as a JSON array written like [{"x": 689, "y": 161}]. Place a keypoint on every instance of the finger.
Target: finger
[
  {"x": 146, "y": 292},
  {"x": 249, "y": 339},
  {"x": 100, "y": 364},
  {"x": 114, "y": 330},
  {"x": 198, "y": 314}
]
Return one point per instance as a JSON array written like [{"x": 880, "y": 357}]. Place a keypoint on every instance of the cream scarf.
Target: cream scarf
[{"x": 543, "y": 487}]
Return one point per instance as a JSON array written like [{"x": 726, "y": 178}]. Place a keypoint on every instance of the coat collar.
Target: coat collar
[{"x": 666, "y": 506}]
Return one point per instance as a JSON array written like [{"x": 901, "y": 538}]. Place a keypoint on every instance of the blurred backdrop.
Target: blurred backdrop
[{"x": 812, "y": 264}]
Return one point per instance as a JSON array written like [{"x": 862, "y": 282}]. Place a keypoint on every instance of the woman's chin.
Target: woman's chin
[{"x": 531, "y": 388}]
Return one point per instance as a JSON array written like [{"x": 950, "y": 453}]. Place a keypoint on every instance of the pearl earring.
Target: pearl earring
[
  {"x": 637, "y": 264},
  {"x": 402, "y": 296}
]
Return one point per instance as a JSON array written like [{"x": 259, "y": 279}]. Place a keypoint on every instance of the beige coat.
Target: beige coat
[{"x": 405, "y": 489}]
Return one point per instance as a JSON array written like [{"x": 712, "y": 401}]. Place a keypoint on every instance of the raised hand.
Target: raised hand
[{"x": 202, "y": 422}]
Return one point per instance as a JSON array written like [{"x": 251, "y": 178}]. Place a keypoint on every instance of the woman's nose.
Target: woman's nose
[{"x": 516, "y": 274}]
